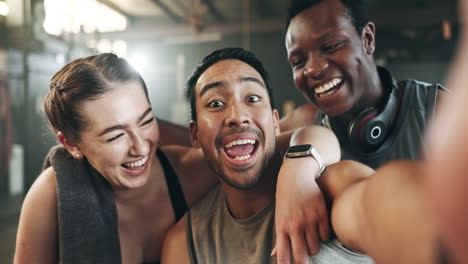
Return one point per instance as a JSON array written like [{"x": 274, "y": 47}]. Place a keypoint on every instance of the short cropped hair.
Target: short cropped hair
[
  {"x": 357, "y": 11},
  {"x": 225, "y": 54}
]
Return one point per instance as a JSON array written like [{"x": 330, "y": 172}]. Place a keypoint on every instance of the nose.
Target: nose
[
  {"x": 315, "y": 67},
  {"x": 237, "y": 115},
  {"x": 139, "y": 146}
]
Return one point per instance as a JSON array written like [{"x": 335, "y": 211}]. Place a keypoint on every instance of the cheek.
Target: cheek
[{"x": 298, "y": 80}]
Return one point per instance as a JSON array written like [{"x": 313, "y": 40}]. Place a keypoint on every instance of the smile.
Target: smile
[
  {"x": 240, "y": 149},
  {"x": 328, "y": 87},
  {"x": 136, "y": 164}
]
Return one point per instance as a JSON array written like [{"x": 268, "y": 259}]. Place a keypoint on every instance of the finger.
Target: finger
[
  {"x": 283, "y": 250},
  {"x": 299, "y": 247},
  {"x": 323, "y": 224},
  {"x": 312, "y": 240}
]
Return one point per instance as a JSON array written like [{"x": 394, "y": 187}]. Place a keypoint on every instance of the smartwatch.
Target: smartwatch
[{"x": 306, "y": 150}]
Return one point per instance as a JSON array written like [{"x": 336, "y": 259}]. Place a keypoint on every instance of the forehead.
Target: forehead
[
  {"x": 121, "y": 104},
  {"x": 229, "y": 70},
  {"x": 318, "y": 20}
]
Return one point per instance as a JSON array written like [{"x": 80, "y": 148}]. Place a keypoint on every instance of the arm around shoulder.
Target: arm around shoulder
[
  {"x": 37, "y": 237},
  {"x": 175, "y": 248}
]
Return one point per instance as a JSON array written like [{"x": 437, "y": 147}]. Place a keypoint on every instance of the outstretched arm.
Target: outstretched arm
[
  {"x": 301, "y": 218},
  {"x": 386, "y": 216}
]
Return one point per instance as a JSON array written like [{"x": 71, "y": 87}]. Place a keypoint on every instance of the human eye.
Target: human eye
[
  {"x": 148, "y": 121},
  {"x": 297, "y": 63},
  {"x": 215, "y": 104},
  {"x": 253, "y": 99},
  {"x": 330, "y": 48},
  {"x": 114, "y": 138}
]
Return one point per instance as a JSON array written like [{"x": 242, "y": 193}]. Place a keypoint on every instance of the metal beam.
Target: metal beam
[
  {"x": 214, "y": 11},
  {"x": 152, "y": 32},
  {"x": 169, "y": 12},
  {"x": 114, "y": 7}
]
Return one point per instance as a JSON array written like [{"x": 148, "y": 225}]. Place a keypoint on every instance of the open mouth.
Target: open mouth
[
  {"x": 328, "y": 88},
  {"x": 136, "y": 164},
  {"x": 241, "y": 149}
]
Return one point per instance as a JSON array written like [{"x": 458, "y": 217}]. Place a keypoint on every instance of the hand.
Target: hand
[{"x": 301, "y": 218}]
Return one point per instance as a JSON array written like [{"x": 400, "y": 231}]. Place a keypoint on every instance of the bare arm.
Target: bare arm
[
  {"x": 386, "y": 216},
  {"x": 192, "y": 170},
  {"x": 173, "y": 134},
  {"x": 301, "y": 217},
  {"x": 175, "y": 244},
  {"x": 37, "y": 237}
]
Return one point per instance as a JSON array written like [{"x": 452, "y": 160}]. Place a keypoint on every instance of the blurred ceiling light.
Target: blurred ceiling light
[
  {"x": 4, "y": 10},
  {"x": 72, "y": 16},
  {"x": 447, "y": 30}
]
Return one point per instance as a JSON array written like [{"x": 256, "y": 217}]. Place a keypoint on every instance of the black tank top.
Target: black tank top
[{"x": 175, "y": 190}]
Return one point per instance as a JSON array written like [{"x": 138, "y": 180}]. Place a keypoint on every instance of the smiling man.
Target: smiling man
[
  {"x": 330, "y": 46},
  {"x": 235, "y": 124}
]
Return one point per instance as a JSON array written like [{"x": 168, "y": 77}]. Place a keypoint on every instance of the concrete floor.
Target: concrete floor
[{"x": 10, "y": 207}]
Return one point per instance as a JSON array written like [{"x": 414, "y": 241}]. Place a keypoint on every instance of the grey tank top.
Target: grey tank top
[
  {"x": 214, "y": 236},
  {"x": 406, "y": 137}
]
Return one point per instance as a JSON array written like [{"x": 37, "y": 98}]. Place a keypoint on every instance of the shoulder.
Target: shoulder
[
  {"x": 302, "y": 116},
  {"x": 37, "y": 237},
  {"x": 175, "y": 249},
  {"x": 192, "y": 170},
  {"x": 44, "y": 188}
]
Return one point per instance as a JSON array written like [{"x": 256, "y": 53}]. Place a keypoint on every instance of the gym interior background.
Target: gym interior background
[{"x": 164, "y": 40}]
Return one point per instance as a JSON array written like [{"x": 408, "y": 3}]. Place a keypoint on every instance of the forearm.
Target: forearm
[
  {"x": 339, "y": 176},
  {"x": 322, "y": 139},
  {"x": 173, "y": 134},
  {"x": 386, "y": 215}
]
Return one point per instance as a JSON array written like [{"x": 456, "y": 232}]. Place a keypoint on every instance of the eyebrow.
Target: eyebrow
[
  {"x": 116, "y": 127},
  {"x": 209, "y": 86}
]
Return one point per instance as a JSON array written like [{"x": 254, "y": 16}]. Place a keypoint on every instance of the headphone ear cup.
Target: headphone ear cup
[{"x": 357, "y": 128}]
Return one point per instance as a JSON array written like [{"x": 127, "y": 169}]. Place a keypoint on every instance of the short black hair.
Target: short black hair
[
  {"x": 357, "y": 9},
  {"x": 225, "y": 54}
]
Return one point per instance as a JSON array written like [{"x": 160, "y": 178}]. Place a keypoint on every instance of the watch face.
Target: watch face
[{"x": 299, "y": 148}]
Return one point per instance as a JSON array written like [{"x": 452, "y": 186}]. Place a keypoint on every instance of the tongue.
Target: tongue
[{"x": 240, "y": 150}]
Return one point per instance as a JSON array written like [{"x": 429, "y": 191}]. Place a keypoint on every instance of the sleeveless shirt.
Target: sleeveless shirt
[
  {"x": 214, "y": 236},
  {"x": 406, "y": 136}
]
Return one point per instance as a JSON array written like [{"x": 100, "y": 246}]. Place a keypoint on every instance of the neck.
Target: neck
[{"x": 246, "y": 203}]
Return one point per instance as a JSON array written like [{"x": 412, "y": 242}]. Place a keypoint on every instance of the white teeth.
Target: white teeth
[
  {"x": 240, "y": 142},
  {"x": 136, "y": 163},
  {"x": 327, "y": 86},
  {"x": 242, "y": 157}
]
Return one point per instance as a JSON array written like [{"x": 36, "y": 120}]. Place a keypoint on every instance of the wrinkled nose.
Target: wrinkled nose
[
  {"x": 315, "y": 67},
  {"x": 236, "y": 115},
  {"x": 140, "y": 146}
]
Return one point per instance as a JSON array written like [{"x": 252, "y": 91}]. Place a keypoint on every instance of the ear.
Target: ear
[
  {"x": 276, "y": 122},
  {"x": 194, "y": 134},
  {"x": 368, "y": 38},
  {"x": 71, "y": 147}
]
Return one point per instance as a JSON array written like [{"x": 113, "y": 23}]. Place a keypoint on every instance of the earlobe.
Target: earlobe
[
  {"x": 368, "y": 38},
  {"x": 72, "y": 148},
  {"x": 194, "y": 134}
]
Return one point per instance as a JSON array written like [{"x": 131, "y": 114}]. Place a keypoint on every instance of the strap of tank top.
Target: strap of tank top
[{"x": 175, "y": 189}]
